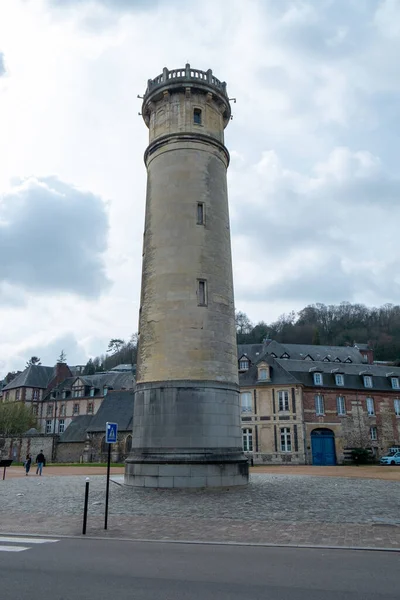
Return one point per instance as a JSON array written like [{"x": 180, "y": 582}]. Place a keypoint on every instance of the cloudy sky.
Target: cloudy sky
[{"x": 314, "y": 184}]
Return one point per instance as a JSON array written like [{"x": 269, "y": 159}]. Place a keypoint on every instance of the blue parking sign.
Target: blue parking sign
[{"x": 111, "y": 433}]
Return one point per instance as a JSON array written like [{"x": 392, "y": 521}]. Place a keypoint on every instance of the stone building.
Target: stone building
[
  {"x": 313, "y": 404},
  {"x": 33, "y": 383},
  {"x": 78, "y": 396},
  {"x": 84, "y": 439}
]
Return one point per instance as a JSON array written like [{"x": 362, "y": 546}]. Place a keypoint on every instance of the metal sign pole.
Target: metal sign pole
[{"x": 108, "y": 485}]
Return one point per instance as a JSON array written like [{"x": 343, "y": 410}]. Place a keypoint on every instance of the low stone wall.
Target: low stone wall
[
  {"x": 276, "y": 458},
  {"x": 18, "y": 447},
  {"x": 70, "y": 452}
]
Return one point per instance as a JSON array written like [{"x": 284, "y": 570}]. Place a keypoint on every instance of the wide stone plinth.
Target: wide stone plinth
[{"x": 186, "y": 435}]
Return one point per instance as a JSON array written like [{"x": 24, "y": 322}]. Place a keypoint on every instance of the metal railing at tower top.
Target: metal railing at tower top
[{"x": 186, "y": 74}]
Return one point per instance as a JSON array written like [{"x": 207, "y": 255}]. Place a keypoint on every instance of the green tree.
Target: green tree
[
  {"x": 62, "y": 358},
  {"x": 115, "y": 345},
  {"x": 90, "y": 368},
  {"x": 15, "y": 418},
  {"x": 34, "y": 360}
]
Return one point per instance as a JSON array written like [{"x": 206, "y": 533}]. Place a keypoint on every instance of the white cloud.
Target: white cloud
[
  {"x": 313, "y": 142},
  {"x": 52, "y": 238}
]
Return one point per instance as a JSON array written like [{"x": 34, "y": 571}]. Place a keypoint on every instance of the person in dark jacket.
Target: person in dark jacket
[
  {"x": 40, "y": 461},
  {"x": 27, "y": 463}
]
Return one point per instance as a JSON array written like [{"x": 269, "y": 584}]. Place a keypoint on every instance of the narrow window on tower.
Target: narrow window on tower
[
  {"x": 200, "y": 213},
  {"x": 197, "y": 116},
  {"x": 201, "y": 292}
]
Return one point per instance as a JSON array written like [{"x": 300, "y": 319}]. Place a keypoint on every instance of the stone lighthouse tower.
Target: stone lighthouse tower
[{"x": 186, "y": 425}]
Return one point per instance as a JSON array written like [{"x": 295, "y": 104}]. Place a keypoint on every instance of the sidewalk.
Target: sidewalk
[
  {"x": 275, "y": 508},
  {"x": 386, "y": 473}
]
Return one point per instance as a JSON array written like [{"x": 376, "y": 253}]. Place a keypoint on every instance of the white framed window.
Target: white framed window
[
  {"x": 105, "y": 390},
  {"x": 339, "y": 379},
  {"x": 370, "y": 407},
  {"x": 319, "y": 405},
  {"x": 90, "y": 408},
  {"x": 286, "y": 440},
  {"x": 283, "y": 400},
  {"x": 246, "y": 402},
  {"x": 247, "y": 440},
  {"x": 340, "y": 405},
  {"x": 78, "y": 392},
  {"x": 48, "y": 426},
  {"x": 62, "y": 410},
  {"x": 35, "y": 395},
  {"x": 397, "y": 407},
  {"x": 263, "y": 374},
  {"x": 373, "y": 433},
  {"x": 318, "y": 379},
  {"x": 61, "y": 426},
  {"x": 367, "y": 381},
  {"x": 243, "y": 364},
  {"x": 395, "y": 383},
  {"x": 64, "y": 394},
  {"x": 76, "y": 409},
  {"x": 91, "y": 392},
  {"x": 49, "y": 410},
  {"x": 17, "y": 393}
]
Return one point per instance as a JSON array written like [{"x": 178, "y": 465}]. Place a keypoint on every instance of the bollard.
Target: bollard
[{"x": 86, "y": 506}]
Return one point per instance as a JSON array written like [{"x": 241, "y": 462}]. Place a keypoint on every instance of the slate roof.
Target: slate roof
[
  {"x": 300, "y": 351},
  {"x": 117, "y": 407},
  {"x": 76, "y": 430},
  {"x": 252, "y": 351},
  {"x": 35, "y": 376},
  {"x": 278, "y": 372},
  {"x": 113, "y": 379},
  {"x": 353, "y": 374}
]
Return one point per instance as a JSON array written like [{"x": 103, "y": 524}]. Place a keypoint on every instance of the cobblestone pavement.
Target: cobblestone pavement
[{"x": 276, "y": 509}]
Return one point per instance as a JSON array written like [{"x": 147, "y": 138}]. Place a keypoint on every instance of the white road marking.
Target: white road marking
[
  {"x": 27, "y": 540},
  {"x": 13, "y": 548}
]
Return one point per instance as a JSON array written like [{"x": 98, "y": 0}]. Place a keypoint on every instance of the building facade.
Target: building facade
[{"x": 314, "y": 404}]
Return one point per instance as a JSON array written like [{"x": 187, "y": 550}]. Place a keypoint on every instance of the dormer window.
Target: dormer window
[
  {"x": 273, "y": 355},
  {"x": 263, "y": 373},
  {"x": 308, "y": 357},
  {"x": 91, "y": 393},
  {"x": 348, "y": 360},
  {"x": 105, "y": 390},
  {"x": 326, "y": 359},
  {"x": 395, "y": 383},
  {"x": 337, "y": 360},
  {"x": 318, "y": 379},
  {"x": 367, "y": 381},
  {"x": 243, "y": 364},
  {"x": 339, "y": 379},
  {"x": 64, "y": 394},
  {"x": 285, "y": 355}
]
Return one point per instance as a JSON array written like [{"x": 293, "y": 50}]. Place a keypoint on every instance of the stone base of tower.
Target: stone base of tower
[
  {"x": 186, "y": 435},
  {"x": 185, "y": 474}
]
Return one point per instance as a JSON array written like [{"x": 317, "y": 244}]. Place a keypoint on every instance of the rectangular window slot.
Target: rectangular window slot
[
  {"x": 197, "y": 116},
  {"x": 200, "y": 213},
  {"x": 201, "y": 292}
]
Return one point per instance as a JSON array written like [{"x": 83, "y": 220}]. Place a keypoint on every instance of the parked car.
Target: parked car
[{"x": 391, "y": 459}]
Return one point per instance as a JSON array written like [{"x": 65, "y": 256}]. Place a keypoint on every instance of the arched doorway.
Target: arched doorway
[{"x": 323, "y": 447}]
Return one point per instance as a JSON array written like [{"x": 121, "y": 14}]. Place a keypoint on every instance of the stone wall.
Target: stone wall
[
  {"x": 70, "y": 452},
  {"x": 18, "y": 447}
]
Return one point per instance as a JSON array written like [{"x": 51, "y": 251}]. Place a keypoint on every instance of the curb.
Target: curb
[{"x": 206, "y": 543}]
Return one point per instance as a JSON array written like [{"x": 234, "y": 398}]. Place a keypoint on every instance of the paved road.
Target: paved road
[{"x": 87, "y": 569}]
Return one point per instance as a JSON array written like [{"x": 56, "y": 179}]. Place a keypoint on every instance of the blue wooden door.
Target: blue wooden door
[{"x": 323, "y": 447}]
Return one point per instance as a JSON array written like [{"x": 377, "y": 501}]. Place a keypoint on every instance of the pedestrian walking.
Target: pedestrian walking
[
  {"x": 27, "y": 463},
  {"x": 41, "y": 462}
]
